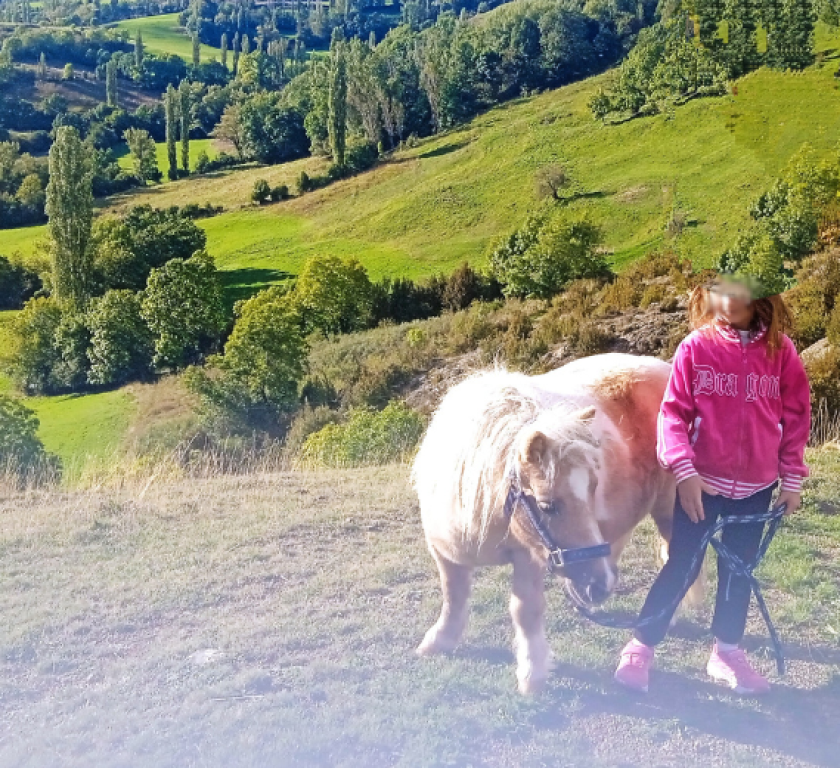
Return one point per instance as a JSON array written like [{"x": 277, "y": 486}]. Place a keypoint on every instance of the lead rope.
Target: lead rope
[{"x": 772, "y": 519}]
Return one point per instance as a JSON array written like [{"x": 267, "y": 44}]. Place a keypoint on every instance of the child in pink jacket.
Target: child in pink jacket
[{"x": 734, "y": 421}]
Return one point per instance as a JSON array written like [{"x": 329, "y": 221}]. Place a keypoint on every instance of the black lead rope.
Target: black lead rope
[
  {"x": 772, "y": 520},
  {"x": 558, "y": 557}
]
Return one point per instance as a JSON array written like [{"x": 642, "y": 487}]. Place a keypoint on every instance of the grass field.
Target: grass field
[
  {"x": 196, "y": 147},
  {"x": 270, "y": 620},
  {"x": 163, "y": 35}
]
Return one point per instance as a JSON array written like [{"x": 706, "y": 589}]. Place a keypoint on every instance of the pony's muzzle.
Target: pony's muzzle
[{"x": 590, "y": 585}]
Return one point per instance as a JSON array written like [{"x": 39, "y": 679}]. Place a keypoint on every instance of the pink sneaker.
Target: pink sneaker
[
  {"x": 634, "y": 668},
  {"x": 734, "y": 669}
]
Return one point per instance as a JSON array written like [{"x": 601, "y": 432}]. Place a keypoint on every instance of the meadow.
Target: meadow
[
  {"x": 197, "y": 146},
  {"x": 270, "y": 619},
  {"x": 163, "y": 35}
]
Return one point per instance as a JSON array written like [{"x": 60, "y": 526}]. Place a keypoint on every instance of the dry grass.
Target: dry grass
[{"x": 269, "y": 619}]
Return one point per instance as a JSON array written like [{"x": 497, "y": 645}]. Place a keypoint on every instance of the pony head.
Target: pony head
[{"x": 558, "y": 459}]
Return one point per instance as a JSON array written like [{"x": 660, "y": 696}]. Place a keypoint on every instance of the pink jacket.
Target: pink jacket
[{"x": 734, "y": 416}]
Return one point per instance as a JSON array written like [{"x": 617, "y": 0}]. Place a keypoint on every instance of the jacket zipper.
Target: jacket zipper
[{"x": 742, "y": 396}]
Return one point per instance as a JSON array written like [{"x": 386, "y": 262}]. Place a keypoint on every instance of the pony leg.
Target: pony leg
[
  {"x": 455, "y": 582},
  {"x": 527, "y": 609}
]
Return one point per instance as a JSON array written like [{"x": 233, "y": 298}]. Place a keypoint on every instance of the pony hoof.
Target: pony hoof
[
  {"x": 434, "y": 646},
  {"x": 531, "y": 686}
]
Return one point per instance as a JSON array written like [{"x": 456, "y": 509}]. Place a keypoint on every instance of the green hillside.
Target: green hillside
[
  {"x": 430, "y": 207},
  {"x": 163, "y": 35}
]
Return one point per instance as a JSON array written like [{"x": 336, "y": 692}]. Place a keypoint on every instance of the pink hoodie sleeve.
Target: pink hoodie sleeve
[
  {"x": 673, "y": 444},
  {"x": 796, "y": 419}
]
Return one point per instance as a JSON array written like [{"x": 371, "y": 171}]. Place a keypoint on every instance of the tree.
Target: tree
[
  {"x": 21, "y": 450},
  {"x": 121, "y": 344},
  {"x": 183, "y": 307},
  {"x": 128, "y": 248},
  {"x": 230, "y": 128},
  {"x": 31, "y": 192},
  {"x": 271, "y": 132},
  {"x": 32, "y": 350},
  {"x": 69, "y": 72},
  {"x": 70, "y": 210},
  {"x": 18, "y": 284},
  {"x": 139, "y": 51},
  {"x": 550, "y": 180},
  {"x": 258, "y": 376},
  {"x": 334, "y": 296},
  {"x": 170, "y": 104},
  {"x": 196, "y": 51},
  {"x": 235, "y": 54},
  {"x": 143, "y": 154},
  {"x": 111, "y": 82},
  {"x": 42, "y": 67},
  {"x": 184, "y": 106},
  {"x": 337, "y": 121},
  {"x": 224, "y": 49}
]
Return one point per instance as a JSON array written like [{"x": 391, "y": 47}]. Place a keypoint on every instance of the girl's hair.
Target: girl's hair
[{"x": 770, "y": 312}]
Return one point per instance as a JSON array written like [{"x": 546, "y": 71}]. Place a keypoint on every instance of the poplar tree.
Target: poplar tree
[
  {"x": 111, "y": 82},
  {"x": 139, "y": 50},
  {"x": 337, "y": 104},
  {"x": 235, "y": 53},
  {"x": 246, "y": 45},
  {"x": 42, "y": 67},
  {"x": 196, "y": 50},
  {"x": 170, "y": 104},
  {"x": 184, "y": 106},
  {"x": 70, "y": 210},
  {"x": 224, "y": 50}
]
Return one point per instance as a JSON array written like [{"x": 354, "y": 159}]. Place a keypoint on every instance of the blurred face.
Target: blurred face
[{"x": 733, "y": 303}]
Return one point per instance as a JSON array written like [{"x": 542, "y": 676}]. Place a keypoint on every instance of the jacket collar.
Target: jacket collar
[{"x": 731, "y": 334}]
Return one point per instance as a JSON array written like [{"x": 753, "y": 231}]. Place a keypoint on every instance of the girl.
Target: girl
[{"x": 735, "y": 418}]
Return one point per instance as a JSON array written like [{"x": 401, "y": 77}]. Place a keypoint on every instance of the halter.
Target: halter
[{"x": 557, "y": 555}]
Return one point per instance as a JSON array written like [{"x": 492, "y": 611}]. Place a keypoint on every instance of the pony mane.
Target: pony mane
[{"x": 469, "y": 455}]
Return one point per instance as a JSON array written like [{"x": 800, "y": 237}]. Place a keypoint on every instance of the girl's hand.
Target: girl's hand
[
  {"x": 791, "y": 499},
  {"x": 691, "y": 492}
]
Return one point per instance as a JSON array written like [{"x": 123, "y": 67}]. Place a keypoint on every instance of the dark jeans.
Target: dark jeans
[{"x": 733, "y": 593}]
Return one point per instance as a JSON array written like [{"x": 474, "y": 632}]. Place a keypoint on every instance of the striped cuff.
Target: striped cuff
[
  {"x": 683, "y": 469},
  {"x": 792, "y": 483}
]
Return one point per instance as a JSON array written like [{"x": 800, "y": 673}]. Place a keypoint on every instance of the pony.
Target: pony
[{"x": 579, "y": 445}]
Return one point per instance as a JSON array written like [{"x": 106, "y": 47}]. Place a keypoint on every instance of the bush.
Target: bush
[
  {"x": 33, "y": 354},
  {"x": 304, "y": 183},
  {"x": 18, "y": 284},
  {"x": 21, "y": 451},
  {"x": 261, "y": 192},
  {"x": 540, "y": 259},
  {"x": 202, "y": 163},
  {"x": 280, "y": 192},
  {"x": 367, "y": 438}
]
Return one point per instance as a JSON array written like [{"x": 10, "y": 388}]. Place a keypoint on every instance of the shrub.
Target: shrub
[
  {"x": 304, "y": 183},
  {"x": 280, "y": 192},
  {"x": 824, "y": 377},
  {"x": 202, "y": 163},
  {"x": 18, "y": 284},
  {"x": 367, "y": 438},
  {"x": 307, "y": 421},
  {"x": 261, "y": 192},
  {"x": 541, "y": 259},
  {"x": 21, "y": 451},
  {"x": 33, "y": 354},
  {"x": 653, "y": 294}
]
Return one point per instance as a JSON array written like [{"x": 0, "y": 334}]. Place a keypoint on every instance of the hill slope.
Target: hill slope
[{"x": 163, "y": 35}]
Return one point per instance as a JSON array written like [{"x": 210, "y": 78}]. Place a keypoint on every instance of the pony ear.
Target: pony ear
[{"x": 534, "y": 447}]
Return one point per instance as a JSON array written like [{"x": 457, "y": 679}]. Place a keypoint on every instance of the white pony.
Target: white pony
[{"x": 579, "y": 443}]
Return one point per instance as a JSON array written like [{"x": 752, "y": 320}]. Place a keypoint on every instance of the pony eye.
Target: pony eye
[{"x": 549, "y": 507}]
